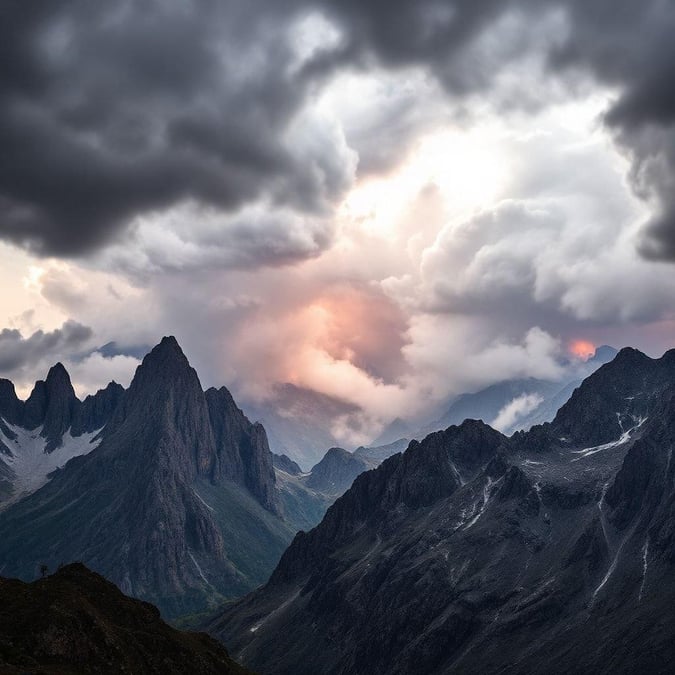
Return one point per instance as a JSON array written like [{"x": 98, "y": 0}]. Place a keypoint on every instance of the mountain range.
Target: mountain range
[
  {"x": 548, "y": 551},
  {"x": 167, "y": 490},
  {"x": 299, "y": 421}
]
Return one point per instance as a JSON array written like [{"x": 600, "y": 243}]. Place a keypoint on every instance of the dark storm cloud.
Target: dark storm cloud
[
  {"x": 111, "y": 110},
  {"x": 17, "y": 352},
  {"x": 630, "y": 45}
]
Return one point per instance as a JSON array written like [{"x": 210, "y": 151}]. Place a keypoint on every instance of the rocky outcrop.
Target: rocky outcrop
[
  {"x": 97, "y": 409},
  {"x": 336, "y": 471},
  {"x": 35, "y": 406},
  {"x": 11, "y": 407},
  {"x": 286, "y": 464},
  {"x": 242, "y": 452},
  {"x": 54, "y": 407},
  {"x": 60, "y": 406}
]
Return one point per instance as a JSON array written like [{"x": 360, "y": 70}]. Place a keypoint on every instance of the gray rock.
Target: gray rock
[{"x": 550, "y": 551}]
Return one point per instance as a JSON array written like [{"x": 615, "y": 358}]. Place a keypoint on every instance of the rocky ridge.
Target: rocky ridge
[{"x": 550, "y": 551}]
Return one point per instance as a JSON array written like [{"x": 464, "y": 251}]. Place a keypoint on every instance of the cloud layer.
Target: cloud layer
[
  {"x": 101, "y": 123},
  {"x": 389, "y": 203}
]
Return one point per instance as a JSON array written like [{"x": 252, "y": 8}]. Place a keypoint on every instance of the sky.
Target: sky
[{"x": 386, "y": 202}]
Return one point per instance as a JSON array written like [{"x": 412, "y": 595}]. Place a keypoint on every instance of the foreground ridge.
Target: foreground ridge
[{"x": 77, "y": 622}]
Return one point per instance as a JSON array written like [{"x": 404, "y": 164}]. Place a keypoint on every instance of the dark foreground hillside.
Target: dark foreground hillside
[{"x": 77, "y": 622}]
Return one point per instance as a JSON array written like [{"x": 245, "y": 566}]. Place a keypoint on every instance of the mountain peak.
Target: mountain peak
[
  {"x": 58, "y": 384},
  {"x": 60, "y": 404},
  {"x": 58, "y": 370},
  {"x": 165, "y": 360},
  {"x": 166, "y": 394},
  {"x": 170, "y": 342},
  {"x": 10, "y": 406},
  {"x": 630, "y": 355}
]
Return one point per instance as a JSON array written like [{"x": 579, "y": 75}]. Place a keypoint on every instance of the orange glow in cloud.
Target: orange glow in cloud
[
  {"x": 363, "y": 327},
  {"x": 582, "y": 349}
]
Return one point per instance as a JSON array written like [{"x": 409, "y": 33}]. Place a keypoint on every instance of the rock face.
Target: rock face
[
  {"x": 336, "y": 471},
  {"x": 77, "y": 622},
  {"x": 550, "y": 551},
  {"x": 54, "y": 408},
  {"x": 177, "y": 505},
  {"x": 95, "y": 411},
  {"x": 286, "y": 464},
  {"x": 242, "y": 452},
  {"x": 59, "y": 406},
  {"x": 10, "y": 405}
]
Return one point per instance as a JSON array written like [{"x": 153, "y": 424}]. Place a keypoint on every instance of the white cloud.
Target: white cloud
[
  {"x": 95, "y": 371},
  {"x": 515, "y": 410}
]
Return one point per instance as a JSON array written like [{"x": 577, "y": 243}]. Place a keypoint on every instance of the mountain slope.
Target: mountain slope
[
  {"x": 474, "y": 552},
  {"x": 177, "y": 505},
  {"x": 41, "y": 434},
  {"x": 336, "y": 471},
  {"x": 77, "y": 622}
]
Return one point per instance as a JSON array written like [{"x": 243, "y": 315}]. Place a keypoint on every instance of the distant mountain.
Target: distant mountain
[
  {"x": 77, "y": 622},
  {"x": 377, "y": 454},
  {"x": 285, "y": 463},
  {"x": 393, "y": 432},
  {"x": 549, "y": 551},
  {"x": 512, "y": 405},
  {"x": 51, "y": 427},
  {"x": 487, "y": 403},
  {"x": 299, "y": 421},
  {"x": 549, "y": 406},
  {"x": 336, "y": 471},
  {"x": 175, "y": 499},
  {"x": 546, "y": 410},
  {"x": 52, "y": 408}
]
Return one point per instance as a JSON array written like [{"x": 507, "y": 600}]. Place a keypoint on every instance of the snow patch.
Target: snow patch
[
  {"x": 199, "y": 569},
  {"x": 603, "y": 517},
  {"x": 485, "y": 499},
  {"x": 31, "y": 464},
  {"x": 202, "y": 501},
  {"x": 625, "y": 437},
  {"x": 645, "y": 554},
  {"x": 458, "y": 475},
  {"x": 614, "y": 562},
  {"x": 278, "y": 610}
]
